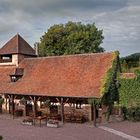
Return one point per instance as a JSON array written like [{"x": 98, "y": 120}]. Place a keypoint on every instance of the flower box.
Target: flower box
[
  {"x": 28, "y": 121},
  {"x": 53, "y": 123}
]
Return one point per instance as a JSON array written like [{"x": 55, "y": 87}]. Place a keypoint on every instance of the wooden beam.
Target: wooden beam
[
  {"x": 15, "y": 97},
  {"x": 31, "y": 98},
  {"x": 94, "y": 120},
  {"x": 38, "y": 99},
  {"x": 25, "y": 111},
  {"x": 13, "y": 105},
  {"x": 34, "y": 107},
  {"x": 58, "y": 100},
  {"x": 92, "y": 112},
  {"x": 66, "y": 100},
  {"x": 6, "y": 103},
  {"x": 9, "y": 101}
]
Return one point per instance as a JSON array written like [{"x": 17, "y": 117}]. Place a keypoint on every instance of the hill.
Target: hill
[{"x": 131, "y": 62}]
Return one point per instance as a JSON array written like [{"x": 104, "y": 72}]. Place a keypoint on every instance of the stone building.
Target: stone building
[{"x": 65, "y": 82}]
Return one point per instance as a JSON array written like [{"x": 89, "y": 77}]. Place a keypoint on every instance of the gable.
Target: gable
[{"x": 17, "y": 45}]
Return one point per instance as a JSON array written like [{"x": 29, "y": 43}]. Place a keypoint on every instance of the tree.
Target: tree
[
  {"x": 71, "y": 38},
  {"x": 124, "y": 66}
]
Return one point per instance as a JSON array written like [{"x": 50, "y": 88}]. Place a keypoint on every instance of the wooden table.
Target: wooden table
[{"x": 40, "y": 118}]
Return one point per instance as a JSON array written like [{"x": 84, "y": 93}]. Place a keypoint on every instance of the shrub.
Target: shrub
[
  {"x": 1, "y": 137},
  {"x": 132, "y": 113}
]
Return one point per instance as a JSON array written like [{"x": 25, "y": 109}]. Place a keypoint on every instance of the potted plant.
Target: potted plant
[{"x": 1, "y": 137}]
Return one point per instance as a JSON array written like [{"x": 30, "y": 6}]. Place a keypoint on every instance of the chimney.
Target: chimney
[{"x": 36, "y": 45}]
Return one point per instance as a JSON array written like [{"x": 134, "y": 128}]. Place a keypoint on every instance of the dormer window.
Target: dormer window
[
  {"x": 13, "y": 78},
  {"x": 18, "y": 73}
]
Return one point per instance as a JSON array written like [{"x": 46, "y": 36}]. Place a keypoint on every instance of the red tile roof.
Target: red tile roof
[
  {"x": 67, "y": 76},
  {"x": 128, "y": 75},
  {"x": 17, "y": 45},
  {"x": 4, "y": 77}
]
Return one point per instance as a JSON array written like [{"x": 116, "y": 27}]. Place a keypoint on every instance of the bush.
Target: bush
[
  {"x": 132, "y": 113},
  {"x": 1, "y": 137}
]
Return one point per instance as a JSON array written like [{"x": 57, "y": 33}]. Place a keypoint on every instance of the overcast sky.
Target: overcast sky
[{"x": 119, "y": 19}]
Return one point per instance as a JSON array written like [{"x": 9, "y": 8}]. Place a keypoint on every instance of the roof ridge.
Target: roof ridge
[
  {"x": 17, "y": 42},
  {"x": 73, "y": 55}
]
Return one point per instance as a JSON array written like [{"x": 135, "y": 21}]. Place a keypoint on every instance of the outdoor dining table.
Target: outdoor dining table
[{"x": 40, "y": 118}]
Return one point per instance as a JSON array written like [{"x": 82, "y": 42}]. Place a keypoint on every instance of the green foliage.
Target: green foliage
[
  {"x": 106, "y": 82},
  {"x": 109, "y": 89},
  {"x": 124, "y": 66},
  {"x": 132, "y": 113},
  {"x": 1, "y": 101},
  {"x": 131, "y": 61},
  {"x": 129, "y": 92},
  {"x": 71, "y": 38},
  {"x": 94, "y": 101},
  {"x": 137, "y": 73},
  {"x": 132, "y": 57},
  {"x": 47, "y": 102}
]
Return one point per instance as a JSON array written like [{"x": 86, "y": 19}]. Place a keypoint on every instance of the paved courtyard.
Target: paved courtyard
[
  {"x": 14, "y": 130},
  {"x": 130, "y": 128}
]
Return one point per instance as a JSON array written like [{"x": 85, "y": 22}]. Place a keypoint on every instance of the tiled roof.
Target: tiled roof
[
  {"x": 17, "y": 45},
  {"x": 67, "y": 76},
  {"x": 4, "y": 77},
  {"x": 128, "y": 75}
]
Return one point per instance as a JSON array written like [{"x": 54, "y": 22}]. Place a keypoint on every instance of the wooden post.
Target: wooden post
[
  {"x": 94, "y": 108},
  {"x": 34, "y": 108},
  {"x": 92, "y": 112},
  {"x": 6, "y": 103},
  {"x": 62, "y": 110},
  {"x": 9, "y": 101},
  {"x": 34, "y": 105},
  {"x": 25, "y": 111},
  {"x": 13, "y": 106}
]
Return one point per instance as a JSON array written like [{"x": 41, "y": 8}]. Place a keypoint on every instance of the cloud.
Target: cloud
[
  {"x": 39, "y": 8},
  {"x": 122, "y": 29},
  {"x": 119, "y": 19}
]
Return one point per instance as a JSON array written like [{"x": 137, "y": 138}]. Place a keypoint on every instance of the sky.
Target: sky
[{"x": 119, "y": 20}]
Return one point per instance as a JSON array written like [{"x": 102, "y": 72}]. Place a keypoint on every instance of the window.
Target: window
[
  {"x": 17, "y": 74},
  {"x": 6, "y": 58},
  {"x": 13, "y": 78}
]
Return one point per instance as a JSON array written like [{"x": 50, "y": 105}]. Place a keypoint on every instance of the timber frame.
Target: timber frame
[{"x": 10, "y": 99}]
